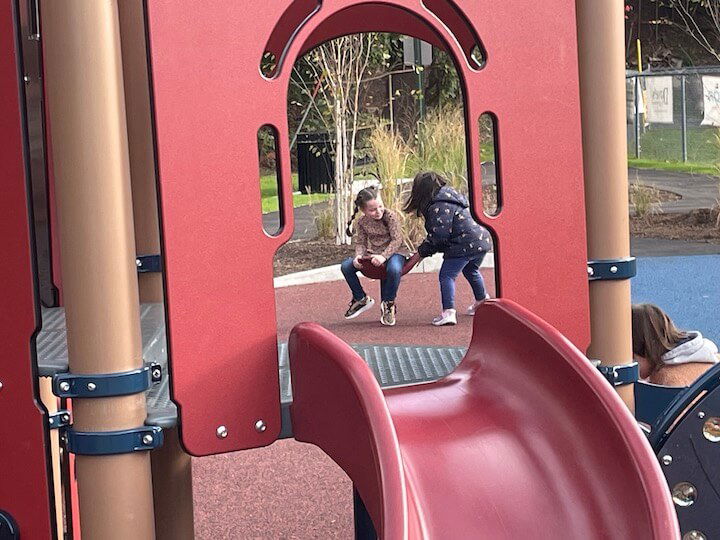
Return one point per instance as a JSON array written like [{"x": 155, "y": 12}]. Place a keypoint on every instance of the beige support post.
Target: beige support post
[
  {"x": 51, "y": 404},
  {"x": 89, "y": 137},
  {"x": 171, "y": 466},
  {"x": 601, "y": 42}
]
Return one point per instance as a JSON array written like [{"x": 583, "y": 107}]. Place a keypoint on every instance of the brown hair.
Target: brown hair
[
  {"x": 653, "y": 333},
  {"x": 364, "y": 196},
  {"x": 425, "y": 187}
]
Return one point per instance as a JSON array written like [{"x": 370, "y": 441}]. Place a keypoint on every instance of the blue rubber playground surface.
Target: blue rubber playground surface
[{"x": 687, "y": 288}]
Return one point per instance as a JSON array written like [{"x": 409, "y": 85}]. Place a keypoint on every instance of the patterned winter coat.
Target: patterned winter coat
[{"x": 451, "y": 229}]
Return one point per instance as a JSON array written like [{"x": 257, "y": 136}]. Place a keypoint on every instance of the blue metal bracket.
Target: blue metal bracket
[
  {"x": 74, "y": 385},
  {"x": 612, "y": 269},
  {"x": 59, "y": 419},
  {"x": 148, "y": 263},
  {"x": 103, "y": 443},
  {"x": 620, "y": 375}
]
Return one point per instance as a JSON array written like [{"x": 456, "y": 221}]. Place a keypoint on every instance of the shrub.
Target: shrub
[{"x": 645, "y": 200}]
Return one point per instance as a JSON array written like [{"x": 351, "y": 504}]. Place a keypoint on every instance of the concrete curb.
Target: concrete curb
[{"x": 332, "y": 273}]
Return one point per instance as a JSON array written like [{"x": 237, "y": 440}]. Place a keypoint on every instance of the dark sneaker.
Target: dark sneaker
[
  {"x": 358, "y": 306},
  {"x": 387, "y": 316}
]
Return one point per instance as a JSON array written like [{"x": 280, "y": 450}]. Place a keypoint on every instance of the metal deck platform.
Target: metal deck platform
[{"x": 393, "y": 365}]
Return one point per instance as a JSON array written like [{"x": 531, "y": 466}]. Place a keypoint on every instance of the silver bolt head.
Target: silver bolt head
[
  {"x": 1, "y": 385},
  {"x": 91, "y": 386},
  {"x": 613, "y": 269},
  {"x": 590, "y": 271},
  {"x": 221, "y": 432},
  {"x": 64, "y": 386},
  {"x": 65, "y": 417},
  {"x": 701, "y": 414},
  {"x": 148, "y": 439},
  {"x": 667, "y": 459},
  {"x": 138, "y": 262},
  {"x": 156, "y": 374},
  {"x": 260, "y": 426}
]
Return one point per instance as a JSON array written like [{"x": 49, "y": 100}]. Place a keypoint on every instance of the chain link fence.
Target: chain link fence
[{"x": 674, "y": 115}]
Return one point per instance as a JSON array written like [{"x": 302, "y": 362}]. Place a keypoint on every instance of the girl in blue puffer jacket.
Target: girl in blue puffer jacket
[{"x": 451, "y": 230}]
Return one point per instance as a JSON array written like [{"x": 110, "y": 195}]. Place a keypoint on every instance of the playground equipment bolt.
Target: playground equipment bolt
[
  {"x": 667, "y": 459},
  {"x": 138, "y": 262},
  {"x": 613, "y": 269},
  {"x": 91, "y": 386},
  {"x": 64, "y": 386},
  {"x": 711, "y": 429},
  {"x": 590, "y": 271},
  {"x": 147, "y": 439},
  {"x": 260, "y": 426},
  {"x": 156, "y": 373},
  {"x": 694, "y": 535},
  {"x": 701, "y": 414},
  {"x": 1, "y": 385},
  {"x": 684, "y": 494},
  {"x": 221, "y": 432},
  {"x": 65, "y": 417}
]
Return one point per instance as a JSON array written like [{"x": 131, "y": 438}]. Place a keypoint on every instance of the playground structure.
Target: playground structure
[{"x": 526, "y": 435}]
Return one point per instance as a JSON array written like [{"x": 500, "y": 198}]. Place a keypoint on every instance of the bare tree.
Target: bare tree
[
  {"x": 340, "y": 66},
  {"x": 700, "y": 19}
]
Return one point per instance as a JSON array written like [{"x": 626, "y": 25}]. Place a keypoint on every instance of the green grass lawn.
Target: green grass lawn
[
  {"x": 692, "y": 168},
  {"x": 661, "y": 148},
  {"x": 268, "y": 192}
]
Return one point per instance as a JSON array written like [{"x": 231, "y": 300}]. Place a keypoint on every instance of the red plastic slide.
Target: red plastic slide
[{"x": 524, "y": 440}]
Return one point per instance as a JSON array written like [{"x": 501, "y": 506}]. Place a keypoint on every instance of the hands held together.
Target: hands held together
[{"x": 375, "y": 260}]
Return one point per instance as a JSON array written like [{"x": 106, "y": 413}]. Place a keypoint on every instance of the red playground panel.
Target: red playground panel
[
  {"x": 525, "y": 439},
  {"x": 210, "y": 101},
  {"x": 25, "y": 492}
]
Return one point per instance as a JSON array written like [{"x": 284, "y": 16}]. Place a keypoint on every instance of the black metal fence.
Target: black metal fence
[{"x": 674, "y": 115}]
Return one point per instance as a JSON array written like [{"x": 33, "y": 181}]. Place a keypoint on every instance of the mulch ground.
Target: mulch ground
[
  {"x": 696, "y": 226},
  {"x": 298, "y": 255}
]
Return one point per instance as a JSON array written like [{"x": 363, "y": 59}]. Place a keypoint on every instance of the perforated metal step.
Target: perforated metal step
[{"x": 393, "y": 365}]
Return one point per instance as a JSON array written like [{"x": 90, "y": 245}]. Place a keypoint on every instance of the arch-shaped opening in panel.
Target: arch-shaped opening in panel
[{"x": 396, "y": 121}]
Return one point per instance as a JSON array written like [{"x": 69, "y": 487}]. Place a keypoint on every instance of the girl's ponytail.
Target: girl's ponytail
[
  {"x": 363, "y": 197},
  {"x": 349, "y": 230}
]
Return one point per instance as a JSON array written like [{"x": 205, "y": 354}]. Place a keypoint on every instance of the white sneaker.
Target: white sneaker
[
  {"x": 471, "y": 309},
  {"x": 446, "y": 318}
]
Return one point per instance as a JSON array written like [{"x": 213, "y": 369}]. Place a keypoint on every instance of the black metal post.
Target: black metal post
[
  {"x": 683, "y": 118},
  {"x": 638, "y": 97}
]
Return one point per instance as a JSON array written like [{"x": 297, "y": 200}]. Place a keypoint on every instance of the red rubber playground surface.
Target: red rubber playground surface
[{"x": 290, "y": 489}]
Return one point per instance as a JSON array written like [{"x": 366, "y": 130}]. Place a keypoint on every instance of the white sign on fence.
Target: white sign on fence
[
  {"x": 711, "y": 100},
  {"x": 659, "y": 96}
]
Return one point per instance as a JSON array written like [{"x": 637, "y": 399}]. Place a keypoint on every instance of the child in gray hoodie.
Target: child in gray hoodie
[{"x": 665, "y": 354}]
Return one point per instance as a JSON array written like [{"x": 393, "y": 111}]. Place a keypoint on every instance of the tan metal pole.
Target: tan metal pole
[
  {"x": 89, "y": 136},
  {"x": 171, "y": 466},
  {"x": 601, "y": 42},
  {"x": 51, "y": 404}
]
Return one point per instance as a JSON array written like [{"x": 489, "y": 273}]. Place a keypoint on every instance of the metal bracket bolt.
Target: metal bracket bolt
[
  {"x": 103, "y": 443},
  {"x": 59, "y": 419},
  {"x": 221, "y": 432},
  {"x": 612, "y": 269},
  {"x": 76, "y": 385},
  {"x": 666, "y": 459},
  {"x": 260, "y": 426}
]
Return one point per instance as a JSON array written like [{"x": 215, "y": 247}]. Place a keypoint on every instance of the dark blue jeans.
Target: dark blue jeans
[
  {"x": 388, "y": 286},
  {"x": 449, "y": 272}
]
